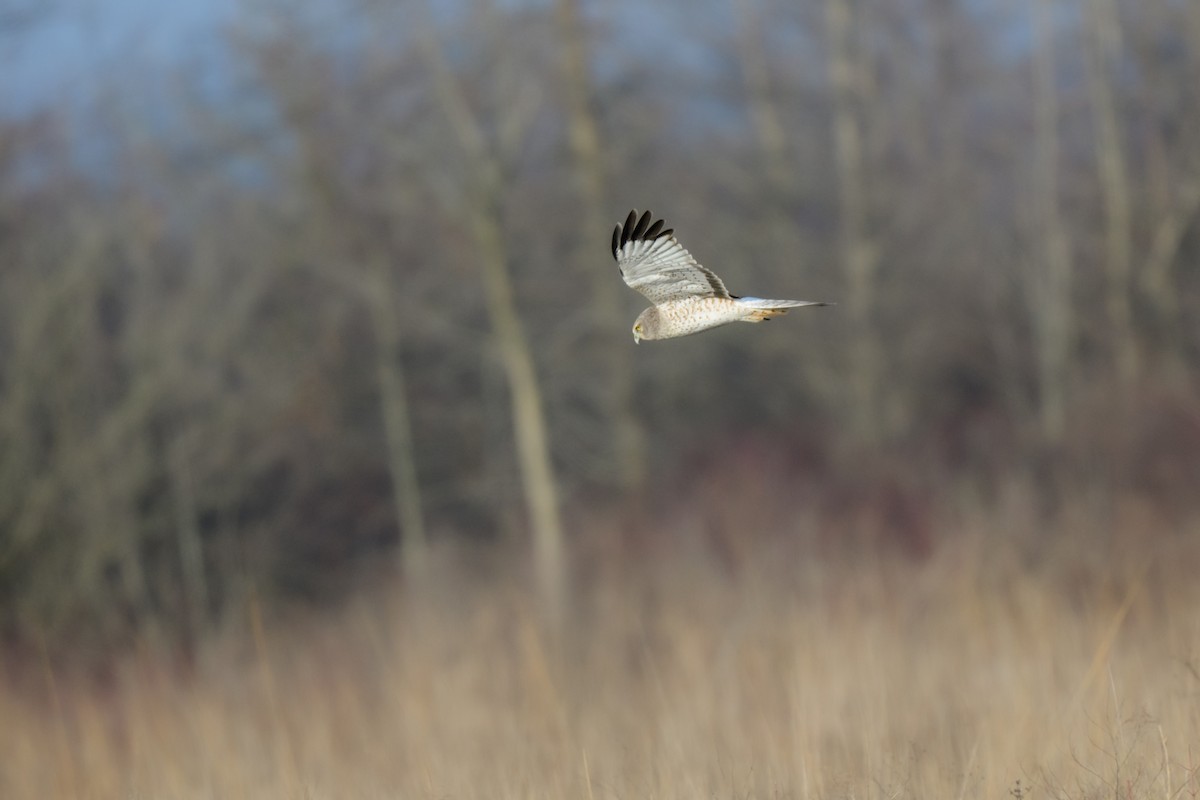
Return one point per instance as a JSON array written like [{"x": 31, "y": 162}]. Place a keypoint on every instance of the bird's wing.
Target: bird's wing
[{"x": 654, "y": 263}]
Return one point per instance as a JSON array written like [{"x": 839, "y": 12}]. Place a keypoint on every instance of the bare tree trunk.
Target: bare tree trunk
[
  {"x": 1050, "y": 289},
  {"x": 1102, "y": 36},
  {"x": 947, "y": 27},
  {"x": 858, "y": 252},
  {"x": 1170, "y": 197},
  {"x": 373, "y": 286},
  {"x": 187, "y": 534},
  {"x": 529, "y": 424},
  {"x": 1157, "y": 279},
  {"x": 397, "y": 424},
  {"x": 589, "y": 178},
  {"x": 533, "y": 445},
  {"x": 777, "y": 172},
  {"x": 97, "y": 455},
  {"x": 768, "y": 128},
  {"x": 1193, "y": 25}
]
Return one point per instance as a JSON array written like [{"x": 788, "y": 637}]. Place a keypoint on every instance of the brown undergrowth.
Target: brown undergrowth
[{"x": 1010, "y": 659}]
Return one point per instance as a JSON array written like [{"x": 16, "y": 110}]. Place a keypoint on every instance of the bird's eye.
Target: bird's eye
[{"x": 637, "y": 328}]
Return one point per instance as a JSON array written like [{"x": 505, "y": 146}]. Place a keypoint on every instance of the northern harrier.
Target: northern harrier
[{"x": 687, "y": 297}]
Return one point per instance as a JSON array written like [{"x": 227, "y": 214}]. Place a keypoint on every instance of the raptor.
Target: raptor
[{"x": 687, "y": 297}]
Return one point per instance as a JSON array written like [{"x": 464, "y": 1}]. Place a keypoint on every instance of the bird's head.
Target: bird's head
[{"x": 645, "y": 325}]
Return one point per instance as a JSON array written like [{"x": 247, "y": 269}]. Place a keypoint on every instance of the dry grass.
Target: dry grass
[{"x": 1075, "y": 674}]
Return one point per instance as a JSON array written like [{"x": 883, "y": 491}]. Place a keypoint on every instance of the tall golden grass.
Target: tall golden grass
[{"x": 1004, "y": 664}]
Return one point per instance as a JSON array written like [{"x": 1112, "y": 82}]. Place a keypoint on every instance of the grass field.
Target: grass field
[{"x": 1002, "y": 665}]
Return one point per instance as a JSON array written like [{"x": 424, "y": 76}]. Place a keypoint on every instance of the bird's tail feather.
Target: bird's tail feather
[{"x": 762, "y": 309}]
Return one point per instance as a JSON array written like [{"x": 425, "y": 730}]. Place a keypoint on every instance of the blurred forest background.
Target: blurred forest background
[
  {"x": 329, "y": 467},
  {"x": 336, "y": 287}
]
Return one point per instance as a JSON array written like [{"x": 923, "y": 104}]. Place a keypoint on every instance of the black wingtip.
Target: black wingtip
[
  {"x": 643, "y": 225},
  {"x": 627, "y": 230},
  {"x": 637, "y": 229}
]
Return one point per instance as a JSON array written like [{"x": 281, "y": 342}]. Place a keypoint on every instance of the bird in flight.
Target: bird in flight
[{"x": 687, "y": 297}]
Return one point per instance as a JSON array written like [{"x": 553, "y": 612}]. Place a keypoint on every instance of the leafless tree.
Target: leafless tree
[
  {"x": 587, "y": 162},
  {"x": 1049, "y": 287},
  {"x": 1102, "y": 50},
  {"x": 859, "y": 254},
  {"x": 482, "y": 206},
  {"x": 355, "y": 259},
  {"x": 344, "y": 297}
]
